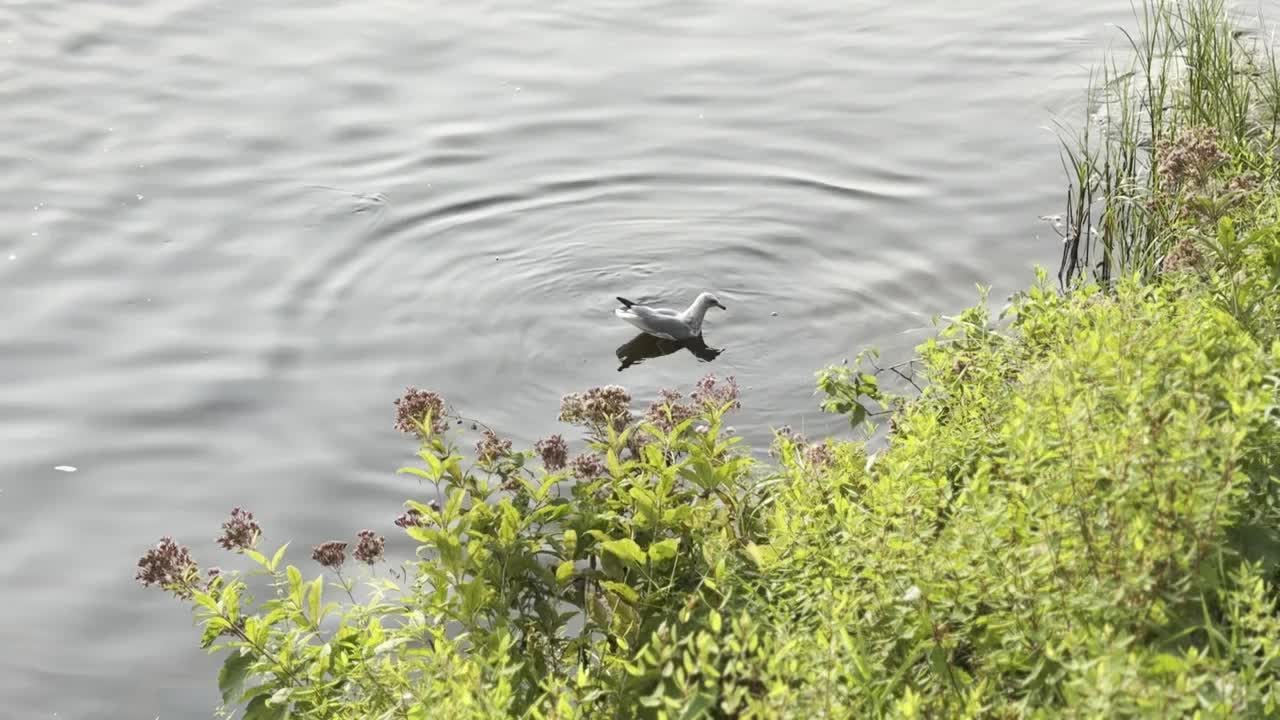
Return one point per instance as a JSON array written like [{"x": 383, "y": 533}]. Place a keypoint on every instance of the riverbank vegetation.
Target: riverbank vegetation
[{"x": 1075, "y": 512}]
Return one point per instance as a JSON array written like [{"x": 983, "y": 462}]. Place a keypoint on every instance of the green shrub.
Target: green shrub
[
  {"x": 1052, "y": 525},
  {"x": 1076, "y": 517},
  {"x": 534, "y": 588}
]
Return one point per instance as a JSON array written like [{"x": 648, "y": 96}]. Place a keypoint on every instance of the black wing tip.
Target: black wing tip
[{"x": 625, "y": 302}]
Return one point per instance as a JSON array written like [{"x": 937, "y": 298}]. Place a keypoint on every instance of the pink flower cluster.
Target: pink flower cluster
[
  {"x": 170, "y": 566},
  {"x": 413, "y": 408},
  {"x": 240, "y": 532},
  {"x": 491, "y": 447},
  {"x": 599, "y": 407},
  {"x": 1190, "y": 157},
  {"x": 670, "y": 409},
  {"x": 554, "y": 452},
  {"x": 814, "y": 455}
]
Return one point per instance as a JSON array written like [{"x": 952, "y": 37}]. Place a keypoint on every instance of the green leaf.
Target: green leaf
[
  {"x": 314, "y": 593},
  {"x": 622, "y": 590},
  {"x": 422, "y": 535},
  {"x": 213, "y": 629},
  {"x": 295, "y": 584},
  {"x": 450, "y": 549},
  {"x": 1166, "y": 664},
  {"x": 626, "y": 550},
  {"x": 700, "y": 472},
  {"x": 323, "y": 660},
  {"x": 571, "y": 542},
  {"x": 257, "y": 557},
  {"x": 275, "y": 559},
  {"x": 508, "y": 524},
  {"x": 453, "y": 504},
  {"x": 281, "y": 696},
  {"x": 231, "y": 601},
  {"x": 545, "y": 488},
  {"x": 416, "y": 471},
  {"x": 258, "y": 709},
  {"x": 699, "y": 707},
  {"x": 232, "y": 676},
  {"x": 552, "y": 513},
  {"x": 453, "y": 467},
  {"x": 437, "y": 467},
  {"x": 205, "y": 600},
  {"x": 762, "y": 555},
  {"x": 646, "y": 503},
  {"x": 473, "y": 596},
  {"x": 564, "y": 571},
  {"x": 664, "y": 550},
  {"x": 391, "y": 644},
  {"x": 423, "y": 509},
  {"x": 654, "y": 456}
]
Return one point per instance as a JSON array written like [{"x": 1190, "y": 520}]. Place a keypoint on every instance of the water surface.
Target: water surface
[{"x": 233, "y": 232}]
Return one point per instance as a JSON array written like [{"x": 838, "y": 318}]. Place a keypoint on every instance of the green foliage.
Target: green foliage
[
  {"x": 848, "y": 387},
  {"x": 531, "y": 591},
  {"x": 1076, "y": 517},
  {"x": 1066, "y": 503}
]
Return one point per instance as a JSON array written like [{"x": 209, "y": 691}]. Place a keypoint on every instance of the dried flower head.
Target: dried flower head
[
  {"x": 170, "y": 566},
  {"x": 240, "y": 532},
  {"x": 491, "y": 447},
  {"x": 1189, "y": 158},
  {"x": 713, "y": 393},
  {"x": 331, "y": 554},
  {"x": 1243, "y": 183},
  {"x": 815, "y": 455},
  {"x": 369, "y": 547},
  {"x": 783, "y": 435},
  {"x": 599, "y": 407},
  {"x": 819, "y": 456},
  {"x": 554, "y": 452},
  {"x": 587, "y": 466},
  {"x": 415, "y": 406},
  {"x": 786, "y": 431},
  {"x": 1183, "y": 256},
  {"x": 412, "y": 518},
  {"x": 669, "y": 410}
]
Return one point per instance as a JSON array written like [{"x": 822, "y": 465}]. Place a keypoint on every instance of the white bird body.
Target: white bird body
[{"x": 667, "y": 323}]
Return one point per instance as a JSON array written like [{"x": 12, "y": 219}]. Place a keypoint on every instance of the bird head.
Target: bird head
[{"x": 707, "y": 299}]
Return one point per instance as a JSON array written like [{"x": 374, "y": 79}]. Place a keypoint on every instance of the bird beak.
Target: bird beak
[{"x": 721, "y": 306}]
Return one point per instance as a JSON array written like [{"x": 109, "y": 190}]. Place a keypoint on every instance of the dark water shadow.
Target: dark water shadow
[{"x": 647, "y": 347}]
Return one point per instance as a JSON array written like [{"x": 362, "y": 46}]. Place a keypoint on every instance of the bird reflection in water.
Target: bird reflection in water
[{"x": 646, "y": 347}]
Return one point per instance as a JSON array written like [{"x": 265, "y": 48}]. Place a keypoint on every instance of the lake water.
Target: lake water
[{"x": 232, "y": 232}]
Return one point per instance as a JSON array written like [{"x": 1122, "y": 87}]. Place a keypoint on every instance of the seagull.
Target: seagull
[{"x": 666, "y": 323}]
